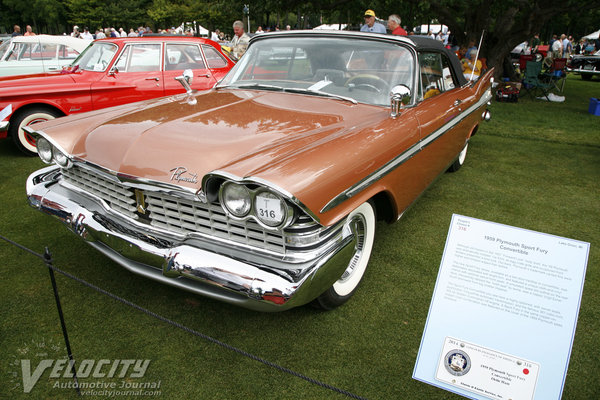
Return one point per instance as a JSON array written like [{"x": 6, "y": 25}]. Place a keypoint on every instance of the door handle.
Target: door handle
[
  {"x": 204, "y": 76},
  {"x": 457, "y": 102},
  {"x": 153, "y": 79}
]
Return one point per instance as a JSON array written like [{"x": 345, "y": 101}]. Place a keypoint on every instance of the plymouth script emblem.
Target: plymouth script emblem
[{"x": 181, "y": 174}]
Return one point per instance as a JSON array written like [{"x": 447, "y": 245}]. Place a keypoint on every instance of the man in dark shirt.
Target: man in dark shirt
[{"x": 17, "y": 31}]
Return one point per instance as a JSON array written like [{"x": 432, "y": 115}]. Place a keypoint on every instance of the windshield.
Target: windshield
[
  {"x": 359, "y": 69},
  {"x": 96, "y": 57}
]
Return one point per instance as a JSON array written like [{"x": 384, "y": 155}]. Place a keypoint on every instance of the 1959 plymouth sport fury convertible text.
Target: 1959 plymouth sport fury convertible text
[{"x": 264, "y": 191}]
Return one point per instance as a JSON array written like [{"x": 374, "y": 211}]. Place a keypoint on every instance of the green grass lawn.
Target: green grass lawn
[{"x": 536, "y": 165}]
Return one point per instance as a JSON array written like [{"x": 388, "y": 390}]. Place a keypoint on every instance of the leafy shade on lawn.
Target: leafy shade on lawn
[{"x": 536, "y": 165}]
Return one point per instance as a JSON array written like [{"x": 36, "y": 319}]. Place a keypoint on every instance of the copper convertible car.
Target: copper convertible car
[{"x": 264, "y": 191}]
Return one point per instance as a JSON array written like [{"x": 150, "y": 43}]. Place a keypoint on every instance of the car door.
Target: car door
[
  {"x": 182, "y": 56},
  {"x": 440, "y": 112},
  {"x": 135, "y": 76}
]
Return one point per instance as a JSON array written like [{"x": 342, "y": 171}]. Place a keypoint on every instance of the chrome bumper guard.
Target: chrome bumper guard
[
  {"x": 224, "y": 273},
  {"x": 4, "y": 126}
]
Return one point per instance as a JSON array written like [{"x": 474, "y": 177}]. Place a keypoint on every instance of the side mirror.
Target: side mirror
[
  {"x": 113, "y": 71},
  {"x": 399, "y": 97},
  {"x": 186, "y": 80}
]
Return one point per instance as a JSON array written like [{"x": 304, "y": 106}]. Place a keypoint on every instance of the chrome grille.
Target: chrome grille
[
  {"x": 119, "y": 198},
  {"x": 183, "y": 216}
]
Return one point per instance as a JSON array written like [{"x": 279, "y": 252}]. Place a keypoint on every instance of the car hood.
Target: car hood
[{"x": 289, "y": 140}]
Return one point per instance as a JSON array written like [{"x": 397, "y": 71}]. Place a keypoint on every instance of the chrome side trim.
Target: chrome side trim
[{"x": 405, "y": 156}]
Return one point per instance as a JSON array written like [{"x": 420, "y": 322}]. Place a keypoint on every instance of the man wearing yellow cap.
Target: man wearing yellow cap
[{"x": 370, "y": 24}]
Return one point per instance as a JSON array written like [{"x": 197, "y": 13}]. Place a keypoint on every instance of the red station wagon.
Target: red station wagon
[{"x": 110, "y": 72}]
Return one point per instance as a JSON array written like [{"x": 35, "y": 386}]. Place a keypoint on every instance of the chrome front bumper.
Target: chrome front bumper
[{"x": 201, "y": 266}]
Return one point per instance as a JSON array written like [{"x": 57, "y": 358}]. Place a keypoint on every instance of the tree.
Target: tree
[{"x": 506, "y": 23}]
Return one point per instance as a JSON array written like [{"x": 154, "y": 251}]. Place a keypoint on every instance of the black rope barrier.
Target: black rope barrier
[{"x": 48, "y": 261}]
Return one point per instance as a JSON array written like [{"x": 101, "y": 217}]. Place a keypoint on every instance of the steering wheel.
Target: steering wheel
[{"x": 370, "y": 82}]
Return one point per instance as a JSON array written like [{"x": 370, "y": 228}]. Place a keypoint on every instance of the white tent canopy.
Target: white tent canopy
[
  {"x": 330, "y": 27},
  {"x": 202, "y": 31},
  {"x": 593, "y": 36}
]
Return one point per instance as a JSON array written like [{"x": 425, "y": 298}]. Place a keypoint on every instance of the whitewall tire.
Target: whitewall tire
[
  {"x": 23, "y": 140},
  {"x": 362, "y": 223}
]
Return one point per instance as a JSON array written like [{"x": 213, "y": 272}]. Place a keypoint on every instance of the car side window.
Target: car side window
[
  {"x": 140, "y": 58},
  {"x": 436, "y": 75},
  {"x": 67, "y": 53},
  {"x": 450, "y": 81},
  {"x": 25, "y": 51},
  {"x": 183, "y": 56},
  {"x": 46, "y": 51},
  {"x": 432, "y": 82},
  {"x": 213, "y": 57}
]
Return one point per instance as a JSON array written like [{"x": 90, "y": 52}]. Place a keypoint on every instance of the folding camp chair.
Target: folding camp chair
[
  {"x": 523, "y": 60},
  {"x": 532, "y": 82},
  {"x": 556, "y": 74}
]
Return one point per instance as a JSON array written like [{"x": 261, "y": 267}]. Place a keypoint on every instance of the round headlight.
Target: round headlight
[
  {"x": 236, "y": 199},
  {"x": 62, "y": 159},
  {"x": 44, "y": 149},
  {"x": 270, "y": 209}
]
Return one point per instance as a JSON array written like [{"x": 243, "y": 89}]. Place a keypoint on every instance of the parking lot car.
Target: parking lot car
[
  {"x": 110, "y": 72},
  {"x": 264, "y": 192},
  {"x": 21, "y": 55},
  {"x": 586, "y": 65}
]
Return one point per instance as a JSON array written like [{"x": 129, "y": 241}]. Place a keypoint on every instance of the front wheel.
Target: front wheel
[
  {"x": 586, "y": 77},
  {"x": 23, "y": 140},
  {"x": 362, "y": 223}
]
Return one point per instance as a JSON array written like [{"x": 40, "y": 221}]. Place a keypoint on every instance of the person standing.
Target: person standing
[
  {"x": 556, "y": 47},
  {"x": 567, "y": 47},
  {"x": 16, "y": 31},
  {"x": 371, "y": 25},
  {"x": 87, "y": 34},
  {"x": 240, "y": 40},
  {"x": 29, "y": 31},
  {"x": 535, "y": 42},
  {"x": 394, "y": 22}
]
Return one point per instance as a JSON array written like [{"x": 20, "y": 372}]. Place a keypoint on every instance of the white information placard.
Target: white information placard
[{"x": 510, "y": 297}]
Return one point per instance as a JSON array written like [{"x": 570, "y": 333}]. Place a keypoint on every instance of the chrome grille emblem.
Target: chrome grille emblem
[
  {"x": 181, "y": 174},
  {"x": 140, "y": 202}
]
